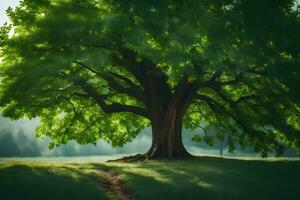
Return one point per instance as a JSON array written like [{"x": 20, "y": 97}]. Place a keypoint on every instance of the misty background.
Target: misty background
[{"x": 17, "y": 138}]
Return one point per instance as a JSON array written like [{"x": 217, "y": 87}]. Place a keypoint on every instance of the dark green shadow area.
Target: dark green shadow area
[
  {"x": 46, "y": 181},
  {"x": 212, "y": 178},
  {"x": 200, "y": 178}
]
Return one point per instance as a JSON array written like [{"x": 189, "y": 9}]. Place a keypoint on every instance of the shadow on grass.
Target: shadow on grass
[
  {"x": 200, "y": 178},
  {"x": 211, "y": 178},
  {"x": 26, "y": 182}
]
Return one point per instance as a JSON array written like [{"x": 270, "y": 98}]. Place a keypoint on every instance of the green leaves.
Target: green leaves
[
  {"x": 240, "y": 58},
  {"x": 197, "y": 138},
  {"x": 4, "y": 34}
]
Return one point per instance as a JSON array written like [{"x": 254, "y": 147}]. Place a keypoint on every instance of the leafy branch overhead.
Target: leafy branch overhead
[{"x": 106, "y": 69}]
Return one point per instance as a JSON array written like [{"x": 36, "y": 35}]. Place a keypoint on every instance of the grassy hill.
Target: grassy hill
[{"x": 201, "y": 178}]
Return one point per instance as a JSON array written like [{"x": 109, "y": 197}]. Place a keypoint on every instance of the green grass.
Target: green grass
[
  {"x": 42, "y": 181},
  {"x": 202, "y": 178}
]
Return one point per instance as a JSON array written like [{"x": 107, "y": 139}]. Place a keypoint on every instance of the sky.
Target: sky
[{"x": 4, "y": 4}]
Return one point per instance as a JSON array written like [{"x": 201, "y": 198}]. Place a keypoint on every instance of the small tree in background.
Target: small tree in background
[{"x": 106, "y": 69}]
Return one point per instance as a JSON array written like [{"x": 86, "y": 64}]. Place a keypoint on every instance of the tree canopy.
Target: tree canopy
[{"x": 105, "y": 69}]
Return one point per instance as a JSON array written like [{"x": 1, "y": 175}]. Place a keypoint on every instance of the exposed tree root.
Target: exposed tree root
[
  {"x": 134, "y": 158},
  {"x": 114, "y": 184},
  {"x": 147, "y": 156}
]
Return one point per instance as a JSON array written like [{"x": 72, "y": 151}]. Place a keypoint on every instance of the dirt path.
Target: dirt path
[{"x": 115, "y": 185}]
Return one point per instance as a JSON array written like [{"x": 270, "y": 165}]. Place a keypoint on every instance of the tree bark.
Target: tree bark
[{"x": 166, "y": 135}]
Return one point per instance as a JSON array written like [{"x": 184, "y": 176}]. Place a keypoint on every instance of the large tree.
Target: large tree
[{"x": 106, "y": 69}]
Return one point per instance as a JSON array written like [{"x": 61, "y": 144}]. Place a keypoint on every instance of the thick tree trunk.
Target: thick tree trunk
[
  {"x": 166, "y": 110},
  {"x": 166, "y": 136}
]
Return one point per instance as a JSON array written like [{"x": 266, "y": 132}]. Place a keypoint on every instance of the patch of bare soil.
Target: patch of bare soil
[{"x": 114, "y": 184}]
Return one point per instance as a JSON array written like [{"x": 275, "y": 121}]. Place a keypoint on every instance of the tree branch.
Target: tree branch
[
  {"x": 236, "y": 116},
  {"x": 133, "y": 90},
  {"x": 109, "y": 108},
  {"x": 237, "y": 80}
]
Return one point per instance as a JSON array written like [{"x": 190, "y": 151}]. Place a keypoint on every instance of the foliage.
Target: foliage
[{"x": 84, "y": 67}]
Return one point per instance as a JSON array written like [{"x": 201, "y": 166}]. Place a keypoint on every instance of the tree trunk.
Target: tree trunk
[{"x": 166, "y": 136}]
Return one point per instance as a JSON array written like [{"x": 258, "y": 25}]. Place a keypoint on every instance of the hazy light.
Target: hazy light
[{"x": 4, "y": 4}]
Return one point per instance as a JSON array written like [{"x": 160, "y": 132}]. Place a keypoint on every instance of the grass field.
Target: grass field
[{"x": 201, "y": 178}]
